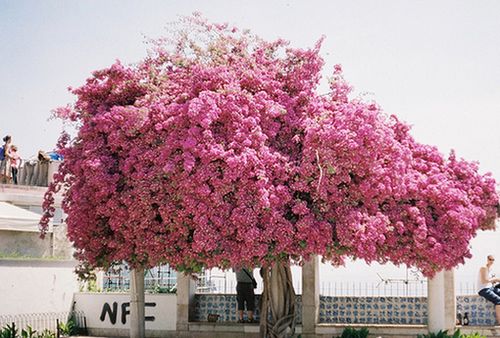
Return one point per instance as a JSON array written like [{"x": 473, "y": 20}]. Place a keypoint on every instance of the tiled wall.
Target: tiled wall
[
  {"x": 479, "y": 310},
  {"x": 367, "y": 310},
  {"x": 373, "y": 310},
  {"x": 225, "y": 305}
]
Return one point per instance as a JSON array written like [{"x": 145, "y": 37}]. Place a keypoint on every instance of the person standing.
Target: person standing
[
  {"x": 5, "y": 171},
  {"x": 244, "y": 293},
  {"x": 485, "y": 285},
  {"x": 15, "y": 162}
]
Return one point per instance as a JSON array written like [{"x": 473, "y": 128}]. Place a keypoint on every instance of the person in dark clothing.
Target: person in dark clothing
[{"x": 244, "y": 293}]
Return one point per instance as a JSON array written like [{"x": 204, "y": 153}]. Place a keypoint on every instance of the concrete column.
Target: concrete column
[
  {"x": 99, "y": 274},
  {"x": 53, "y": 168},
  {"x": 137, "y": 309},
  {"x": 186, "y": 288},
  {"x": 441, "y": 302},
  {"x": 63, "y": 247},
  {"x": 310, "y": 297}
]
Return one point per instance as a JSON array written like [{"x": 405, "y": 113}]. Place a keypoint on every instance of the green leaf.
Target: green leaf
[{"x": 330, "y": 169}]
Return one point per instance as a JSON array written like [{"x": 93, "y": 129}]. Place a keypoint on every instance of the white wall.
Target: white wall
[
  {"x": 36, "y": 286},
  {"x": 110, "y": 310},
  {"x": 24, "y": 243}
]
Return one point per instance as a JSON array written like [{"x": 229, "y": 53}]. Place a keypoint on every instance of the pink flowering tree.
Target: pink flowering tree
[{"x": 217, "y": 151}]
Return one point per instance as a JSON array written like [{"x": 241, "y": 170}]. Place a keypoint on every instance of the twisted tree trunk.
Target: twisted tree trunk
[{"x": 277, "y": 316}]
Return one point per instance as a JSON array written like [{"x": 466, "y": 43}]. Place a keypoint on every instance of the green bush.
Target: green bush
[
  {"x": 9, "y": 331},
  {"x": 28, "y": 333},
  {"x": 456, "y": 334},
  {"x": 69, "y": 328},
  {"x": 473, "y": 335},
  {"x": 350, "y": 332},
  {"x": 163, "y": 289},
  {"x": 47, "y": 334}
]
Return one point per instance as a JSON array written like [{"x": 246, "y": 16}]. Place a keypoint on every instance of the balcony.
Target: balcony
[{"x": 34, "y": 173}]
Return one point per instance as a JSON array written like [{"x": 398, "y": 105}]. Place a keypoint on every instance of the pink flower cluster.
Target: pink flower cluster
[{"x": 219, "y": 151}]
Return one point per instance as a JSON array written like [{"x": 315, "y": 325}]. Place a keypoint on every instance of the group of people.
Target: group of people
[{"x": 9, "y": 161}]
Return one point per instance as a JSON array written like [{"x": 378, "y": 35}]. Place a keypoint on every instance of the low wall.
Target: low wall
[
  {"x": 353, "y": 310},
  {"x": 33, "y": 172},
  {"x": 373, "y": 310},
  {"x": 363, "y": 310},
  {"x": 108, "y": 314},
  {"x": 398, "y": 310},
  {"x": 479, "y": 310},
  {"x": 23, "y": 243},
  {"x": 36, "y": 286},
  {"x": 225, "y": 305}
]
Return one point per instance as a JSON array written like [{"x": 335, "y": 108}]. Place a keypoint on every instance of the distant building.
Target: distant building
[
  {"x": 37, "y": 274},
  {"x": 20, "y": 212}
]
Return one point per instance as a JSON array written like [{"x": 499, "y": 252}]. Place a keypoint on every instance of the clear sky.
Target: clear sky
[{"x": 435, "y": 64}]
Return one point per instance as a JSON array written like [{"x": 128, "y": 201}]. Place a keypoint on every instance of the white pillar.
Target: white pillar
[
  {"x": 441, "y": 302},
  {"x": 310, "y": 296},
  {"x": 185, "y": 295},
  {"x": 53, "y": 168},
  {"x": 99, "y": 279},
  {"x": 137, "y": 309}
]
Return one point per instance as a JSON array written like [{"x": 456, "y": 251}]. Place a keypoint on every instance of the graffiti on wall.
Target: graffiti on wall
[{"x": 112, "y": 311}]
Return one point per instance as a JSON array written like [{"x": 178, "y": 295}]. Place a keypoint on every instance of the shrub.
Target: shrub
[
  {"x": 473, "y": 335},
  {"x": 9, "y": 331},
  {"x": 47, "y": 334},
  {"x": 28, "y": 332},
  {"x": 456, "y": 334},
  {"x": 350, "y": 332},
  {"x": 69, "y": 328}
]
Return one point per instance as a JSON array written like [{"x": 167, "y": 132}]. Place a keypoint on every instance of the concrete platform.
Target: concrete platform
[{"x": 237, "y": 330}]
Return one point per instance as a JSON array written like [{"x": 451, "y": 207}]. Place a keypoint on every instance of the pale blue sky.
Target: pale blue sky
[{"x": 432, "y": 63}]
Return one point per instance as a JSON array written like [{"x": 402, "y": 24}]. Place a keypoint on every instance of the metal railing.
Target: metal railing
[
  {"x": 42, "y": 321},
  {"x": 355, "y": 289},
  {"x": 344, "y": 288},
  {"x": 158, "y": 279},
  {"x": 221, "y": 284},
  {"x": 122, "y": 283},
  {"x": 31, "y": 172},
  {"x": 375, "y": 289},
  {"x": 465, "y": 289}
]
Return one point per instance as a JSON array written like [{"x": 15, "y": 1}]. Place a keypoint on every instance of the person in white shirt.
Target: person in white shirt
[{"x": 486, "y": 288}]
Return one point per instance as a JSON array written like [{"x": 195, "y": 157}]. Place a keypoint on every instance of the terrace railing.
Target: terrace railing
[{"x": 31, "y": 172}]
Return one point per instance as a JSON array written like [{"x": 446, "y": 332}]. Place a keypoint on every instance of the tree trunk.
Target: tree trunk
[
  {"x": 277, "y": 316},
  {"x": 137, "y": 309}
]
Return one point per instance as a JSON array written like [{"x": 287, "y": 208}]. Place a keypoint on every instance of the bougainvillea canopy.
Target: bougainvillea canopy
[{"x": 218, "y": 150}]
